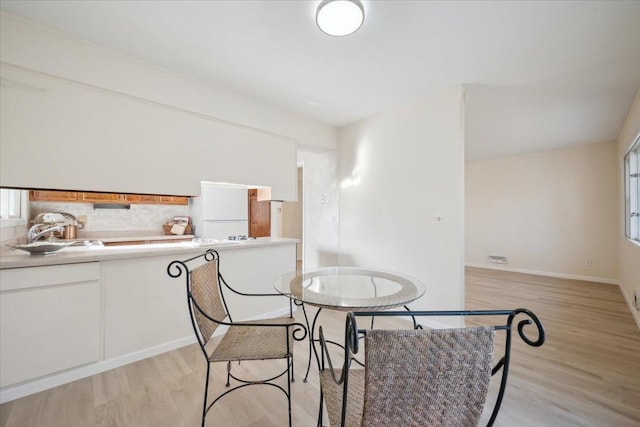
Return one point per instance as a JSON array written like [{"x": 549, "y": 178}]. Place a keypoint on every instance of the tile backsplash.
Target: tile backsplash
[{"x": 139, "y": 217}]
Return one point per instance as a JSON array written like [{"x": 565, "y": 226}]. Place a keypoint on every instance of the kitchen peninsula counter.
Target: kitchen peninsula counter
[
  {"x": 120, "y": 301},
  {"x": 14, "y": 258}
]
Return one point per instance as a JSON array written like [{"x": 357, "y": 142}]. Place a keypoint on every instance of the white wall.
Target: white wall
[
  {"x": 629, "y": 256},
  {"x": 37, "y": 47},
  {"x": 84, "y": 117},
  {"x": 321, "y": 220},
  {"x": 547, "y": 212},
  {"x": 398, "y": 171}
]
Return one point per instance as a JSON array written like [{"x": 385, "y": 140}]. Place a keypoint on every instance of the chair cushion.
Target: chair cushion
[
  {"x": 254, "y": 342},
  {"x": 333, "y": 397}
]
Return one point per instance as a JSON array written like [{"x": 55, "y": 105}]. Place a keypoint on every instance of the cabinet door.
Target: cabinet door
[
  {"x": 141, "y": 198},
  {"x": 101, "y": 197},
  {"x": 49, "y": 320},
  {"x": 144, "y": 307},
  {"x": 53, "y": 196},
  {"x": 259, "y": 216},
  {"x": 174, "y": 200}
]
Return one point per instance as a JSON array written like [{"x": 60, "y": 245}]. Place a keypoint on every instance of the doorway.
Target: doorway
[{"x": 292, "y": 219}]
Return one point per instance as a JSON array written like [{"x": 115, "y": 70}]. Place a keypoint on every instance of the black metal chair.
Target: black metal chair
[
  {"x": 252, "y": 340},
  {"x": 419, "y": 377}
]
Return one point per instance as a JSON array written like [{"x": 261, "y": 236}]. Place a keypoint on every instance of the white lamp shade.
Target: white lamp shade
[{"x": 340, "y": 17}]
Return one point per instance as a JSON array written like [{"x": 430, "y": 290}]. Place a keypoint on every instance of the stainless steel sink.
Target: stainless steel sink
[
  {"x": 45, "y": 247},
  {"x": 42, "y": 248}
]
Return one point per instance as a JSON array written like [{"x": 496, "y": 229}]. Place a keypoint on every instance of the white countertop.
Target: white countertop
[{"x": 14, "y": 258}]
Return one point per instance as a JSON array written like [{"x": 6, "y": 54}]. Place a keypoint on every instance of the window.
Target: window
[
  {"x": 12, "y": 207},
  {"x": 632, "y": 191}
]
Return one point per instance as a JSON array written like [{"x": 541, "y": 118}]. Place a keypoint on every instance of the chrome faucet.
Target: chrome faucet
[{"x": 34, "y": 234}]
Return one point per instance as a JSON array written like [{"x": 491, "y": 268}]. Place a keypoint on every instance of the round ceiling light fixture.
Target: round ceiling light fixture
[{"x": 340, "y": 17}]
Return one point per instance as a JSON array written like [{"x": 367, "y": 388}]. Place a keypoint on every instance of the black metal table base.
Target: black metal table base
[{"x": 313, "y": 352}]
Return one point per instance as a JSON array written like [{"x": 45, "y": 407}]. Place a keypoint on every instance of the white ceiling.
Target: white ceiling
[{"x": 540, "y": 75}]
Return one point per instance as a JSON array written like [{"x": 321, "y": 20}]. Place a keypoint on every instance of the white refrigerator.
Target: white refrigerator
[{"x": 220, "y": 211}]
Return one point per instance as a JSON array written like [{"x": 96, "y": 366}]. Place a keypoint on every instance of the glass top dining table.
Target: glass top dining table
[{"x": 350, "y": 288}]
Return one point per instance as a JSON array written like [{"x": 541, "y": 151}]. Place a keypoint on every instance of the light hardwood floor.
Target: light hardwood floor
[
  {"x": 586, "y": 374},
  {"x": 588, "y": 371}
]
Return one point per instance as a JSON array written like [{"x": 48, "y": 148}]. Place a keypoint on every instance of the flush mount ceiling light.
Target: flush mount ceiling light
[{"x": 340, "y": 17}]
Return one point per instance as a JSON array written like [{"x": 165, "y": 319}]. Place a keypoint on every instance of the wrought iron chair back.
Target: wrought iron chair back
[
  {"x": 441, "y": 375},
  {"x": 420, "y": 377},
  {"x": 248, "y": 340}
]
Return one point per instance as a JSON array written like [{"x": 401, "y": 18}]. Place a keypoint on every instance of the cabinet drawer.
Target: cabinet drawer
[{"x": 24, "y": 278}]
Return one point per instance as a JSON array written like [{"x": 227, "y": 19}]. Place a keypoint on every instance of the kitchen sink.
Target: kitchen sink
[
  {"x": 46, "y": 247},
  {"x": 42, "y": 247}
]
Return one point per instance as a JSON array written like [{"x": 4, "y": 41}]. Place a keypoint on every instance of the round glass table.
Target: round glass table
[
  {"x": 350, "y": 288},
  {"x": 346, "y": 289}
]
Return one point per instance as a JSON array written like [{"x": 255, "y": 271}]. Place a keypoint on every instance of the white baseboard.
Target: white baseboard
[
  {"x": 284, "y": 311},
  {"x": 434, "y": 324},
  {"x": 44, "y": 383},
  {"x": 545, "y": 273},
  {"x": 635, "y": 313}
]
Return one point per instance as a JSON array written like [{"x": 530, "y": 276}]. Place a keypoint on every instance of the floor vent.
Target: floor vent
[{"x": 497, "y": 259}]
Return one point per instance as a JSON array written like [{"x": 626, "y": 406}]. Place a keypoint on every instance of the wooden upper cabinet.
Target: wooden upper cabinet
[
  {"x": 53, "y": 196},
  {"x": 141, "y": 198},
  {"x": 102, "y": 197},
  {"x": 89, "y": 197},
  {"x": 174, "y": 200},
  {"x": 259, "y": 216}
]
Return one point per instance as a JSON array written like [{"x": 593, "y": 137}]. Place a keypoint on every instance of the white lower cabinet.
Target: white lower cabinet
[
  {"x": 144, "y": 307},
  {"x": 50, "y": 320}
]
